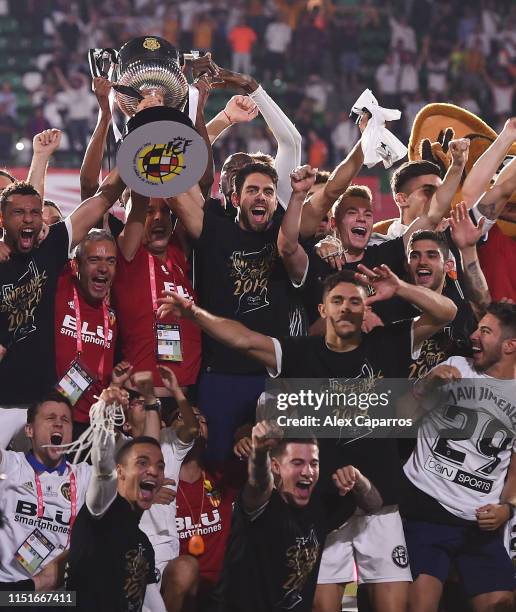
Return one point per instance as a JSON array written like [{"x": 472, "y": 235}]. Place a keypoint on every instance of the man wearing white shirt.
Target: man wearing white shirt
[{"x": 40, "y": 495}]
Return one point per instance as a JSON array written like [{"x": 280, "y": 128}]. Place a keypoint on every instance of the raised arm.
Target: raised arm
[
  {"x": 437, "y": 310},
  {"x": 493, "y": 201},
  {"x": 143, "y": 382},
  {"x": 288, "y": 155},
  {"x": 188, "y": 208},
  {"x": 466, "y": 235},
  {"x": 43, "y": 146},
  {"x": 188, "y": 431},
  {"x": 86, "y": 215},
  {"x": 206, "y": 180},
  {"x": 258, "y": 488},
  {"x": 103, "y": 481},
  {"x": 292, "y": 253},
  {"x": 130, "y": 238},
  {"x": 92, "y": 163},
  {"x": 484, "y": 169},
  {"x": 239, "y": 109},
  {"x": 228, "y": 332},
  {"x": 318, "y": 204},
  {"x": 440, "y": 204}
]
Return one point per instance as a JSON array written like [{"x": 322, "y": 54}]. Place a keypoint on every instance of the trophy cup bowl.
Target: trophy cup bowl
[{"x": 160, "y": 153}]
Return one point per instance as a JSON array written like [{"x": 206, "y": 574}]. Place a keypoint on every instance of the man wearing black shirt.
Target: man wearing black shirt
[
  {"x": 279, "y": 526},
  {"x": 241, "y": 277},
  {"x": 429, "y": 261},
  {"x": 28, "y": 284},
  {"x": 353, "y": 218},
  {"x": 344, "y": 352},
  {"x": 111, "y": 560}
]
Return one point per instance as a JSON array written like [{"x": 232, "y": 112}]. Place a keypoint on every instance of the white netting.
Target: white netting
[{"x": 103, "y": 421}]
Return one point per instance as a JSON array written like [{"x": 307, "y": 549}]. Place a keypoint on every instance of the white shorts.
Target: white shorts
[{"x": 375, "y": 541}]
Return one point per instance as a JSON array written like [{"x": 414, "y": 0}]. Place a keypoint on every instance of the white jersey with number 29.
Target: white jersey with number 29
[{"x": 465, "y": 442}]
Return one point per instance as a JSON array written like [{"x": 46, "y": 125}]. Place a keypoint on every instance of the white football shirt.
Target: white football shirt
[
  {"x": 19, "y": 505},
  {"x": 465, "y": 443}
]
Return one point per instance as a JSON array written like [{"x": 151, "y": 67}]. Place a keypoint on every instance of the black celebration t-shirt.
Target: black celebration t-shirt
[
  {"x": 111, "y": 560},
  {"x": 242, "y": 277},
  {"x": 383, "y": 353},
  {"x": 391, "y": 253},
  {"x": 272, "y": 557},
  {"x": 28, "y": 285}
]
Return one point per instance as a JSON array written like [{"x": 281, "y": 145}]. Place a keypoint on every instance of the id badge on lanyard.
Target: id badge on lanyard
[
  {"x": 75, "y": 382},
  {"x": 36, "y": 547},
  {"x": 167, "y": 335},
  {"x": 77, "y": 379}
]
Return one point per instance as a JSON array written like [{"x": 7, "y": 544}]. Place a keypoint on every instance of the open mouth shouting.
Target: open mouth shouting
[
  {"x": 423, "y": 276},
  {"x": 27, "y": 237},
  {"x": 56, "y": 438},
  {"x": 99, "y": 283},
  {"x": 477, "y": 352},
  {"x": 258, "y": 213},
  {"x": 303, "y": 488},
  {"x": 359, "y": 230},
  {"x": 147, "y": 489}
]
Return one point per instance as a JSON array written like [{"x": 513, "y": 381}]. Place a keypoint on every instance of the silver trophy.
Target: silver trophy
[{"x": 160, "y": 154}]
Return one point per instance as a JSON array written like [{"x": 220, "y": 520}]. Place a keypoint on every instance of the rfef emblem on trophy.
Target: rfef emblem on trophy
[{"x": 160, "y": 153}]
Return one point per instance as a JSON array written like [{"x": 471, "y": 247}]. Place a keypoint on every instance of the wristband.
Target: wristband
[
  {"x": 511, "y": 509},
  {"x": 156, "y": 405}
]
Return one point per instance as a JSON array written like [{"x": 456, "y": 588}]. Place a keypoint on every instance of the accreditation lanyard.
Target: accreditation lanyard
[
  {"x": 73, "y": 500},
  {"x": 78, "y": 324},
  {"x": 152, "y": 280}
]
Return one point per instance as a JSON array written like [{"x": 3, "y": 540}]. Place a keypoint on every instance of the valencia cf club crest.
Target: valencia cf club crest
[
  {"x": 64, "y": 489},
  {"x": 400, "y": 556}
]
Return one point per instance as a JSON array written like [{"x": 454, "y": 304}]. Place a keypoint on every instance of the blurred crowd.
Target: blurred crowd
[{"x": 314, "y": 56}]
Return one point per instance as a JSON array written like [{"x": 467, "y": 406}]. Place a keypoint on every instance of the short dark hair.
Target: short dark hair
[
  {"x": 254, "y": 168},
  {"x": 410, "y": 170},
  {"x": 438, "y": 237},
  {"x": 53, "y": 205},
  {"x": 262, "y": 157},
  {"x": 6, "y": 174},
  {"x": 344, "y": 276},
  {"x": 17, "y": 188},
  {"x": 94, "y": 235},
  {"x": 321, "y": 177},
  {"x": 281, "y": 447},
  {"x": 51, "y": 396},
  {"x": 506, "y": 315},
  {"x": 124, "y": 450}
]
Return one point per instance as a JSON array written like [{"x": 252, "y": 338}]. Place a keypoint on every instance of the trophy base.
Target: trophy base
[{"x": 162, "y": 154}]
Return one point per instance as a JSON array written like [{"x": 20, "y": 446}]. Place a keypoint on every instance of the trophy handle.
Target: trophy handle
[{"x": 97, "y": 57}]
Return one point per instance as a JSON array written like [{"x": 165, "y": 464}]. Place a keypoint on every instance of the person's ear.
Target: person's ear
[
  {"x": 275, "y": 466},
  {"x": 120, "y": 472},
  {"x": 74, "y": 265},
  {"x": 235, "y": 200},
  {"x": 29, "y": 430},
  {"x": 322, "y": 310},
  {"x": 509, "y": 346},
  {"x": 400, "y": 199}
]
